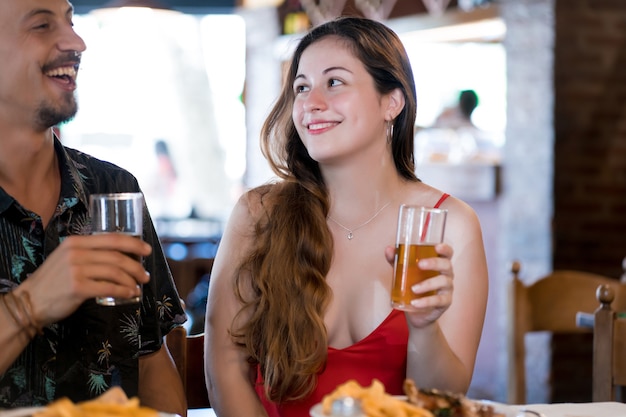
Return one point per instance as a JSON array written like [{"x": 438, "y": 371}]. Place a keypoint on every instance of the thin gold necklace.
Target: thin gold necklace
[{"x": 351, "y": 231}]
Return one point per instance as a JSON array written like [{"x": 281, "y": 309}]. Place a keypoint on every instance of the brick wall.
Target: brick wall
[{"x": 590, "y": 135}]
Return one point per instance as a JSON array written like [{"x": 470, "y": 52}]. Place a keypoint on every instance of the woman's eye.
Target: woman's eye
[
  {"x": 334, "y": 82},
  {"x": 300, "y": 88}
]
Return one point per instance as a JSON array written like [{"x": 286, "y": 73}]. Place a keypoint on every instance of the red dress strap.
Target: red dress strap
[{"x": 442, "y": 199}]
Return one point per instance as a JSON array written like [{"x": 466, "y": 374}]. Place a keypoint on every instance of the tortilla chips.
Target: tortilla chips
[
  {"x": 375, "y": 402},
  {"x": 113, "y": 403}
]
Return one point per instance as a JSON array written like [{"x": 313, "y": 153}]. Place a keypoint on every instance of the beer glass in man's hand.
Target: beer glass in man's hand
[{"x": 117, "y": 213}]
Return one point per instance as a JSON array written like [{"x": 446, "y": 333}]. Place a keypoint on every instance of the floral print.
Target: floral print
[{"x": 96, "y": 347}]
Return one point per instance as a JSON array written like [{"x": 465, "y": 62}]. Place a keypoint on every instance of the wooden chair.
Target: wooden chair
[
  {"x": 609, "y": 349},
  {"x": 551, "y": 303},
  {"x": 187, "y": 273},
  {"x": 188, "y": 354}
]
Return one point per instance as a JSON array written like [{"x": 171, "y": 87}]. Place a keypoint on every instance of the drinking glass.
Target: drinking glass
[
  {"x": 419, "y": 230},
  {"x": 117, "y": 213}
]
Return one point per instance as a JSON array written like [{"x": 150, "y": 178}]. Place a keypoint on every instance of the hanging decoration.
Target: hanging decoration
[
  {"x": 322, "y": 11},
  {"x": 375, "y": 9},
  {"x": 436, "y": 7}
]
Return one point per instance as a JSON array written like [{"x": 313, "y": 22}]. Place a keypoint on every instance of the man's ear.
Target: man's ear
[{"x": 396, "y": 103}]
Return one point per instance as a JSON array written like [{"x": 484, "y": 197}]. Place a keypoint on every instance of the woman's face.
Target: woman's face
[{"x": 337, "y": 110}]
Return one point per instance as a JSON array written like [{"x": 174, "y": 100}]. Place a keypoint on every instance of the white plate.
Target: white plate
[
  {"x": 316, "y": 411},
  {"x": 499, "y": 408},
  {"x": 28, "y": 411},
  {"x": 20, "y": 412},
  {"x": 503, "y": 409}
]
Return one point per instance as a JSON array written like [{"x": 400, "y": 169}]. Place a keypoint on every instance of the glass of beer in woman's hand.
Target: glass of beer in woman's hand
[
  {"x": 419, "y": 230},
  {"x": 117, "y": 213}
]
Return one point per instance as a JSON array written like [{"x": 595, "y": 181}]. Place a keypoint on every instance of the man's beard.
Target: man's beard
[{"x": 49, "y": 115}]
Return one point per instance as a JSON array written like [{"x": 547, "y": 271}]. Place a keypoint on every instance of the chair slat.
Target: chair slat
[
  {"x": 188, "y": 354},
  {"x": 551, "y": 303},
  {"x": 609, "y": 348}
]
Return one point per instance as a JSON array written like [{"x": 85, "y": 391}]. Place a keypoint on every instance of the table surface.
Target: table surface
[
  {"x": 600, "y": 409},
  {"x": 201, "y": 412}
]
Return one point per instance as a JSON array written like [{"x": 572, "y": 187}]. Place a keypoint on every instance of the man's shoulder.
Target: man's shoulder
[
  {"x": 98, "y": 175},
  {"x": 84, "y": 161}
]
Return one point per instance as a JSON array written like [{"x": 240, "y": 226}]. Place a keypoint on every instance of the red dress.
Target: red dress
[{"x": 381, "y": 355}]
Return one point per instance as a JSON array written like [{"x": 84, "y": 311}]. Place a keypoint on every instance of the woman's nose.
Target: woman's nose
[{"x": 315, "y": 100}]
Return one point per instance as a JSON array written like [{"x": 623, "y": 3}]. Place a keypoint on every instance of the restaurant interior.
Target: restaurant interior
[{"x": 187, "y": 84}]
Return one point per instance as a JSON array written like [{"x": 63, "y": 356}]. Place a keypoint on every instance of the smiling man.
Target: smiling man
[{"x": 55, "y": 341}]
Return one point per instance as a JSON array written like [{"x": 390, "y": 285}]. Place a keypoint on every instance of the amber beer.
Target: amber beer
[
  {"x": 408, "y": 273},
  {"x": 419, "y": 230}
]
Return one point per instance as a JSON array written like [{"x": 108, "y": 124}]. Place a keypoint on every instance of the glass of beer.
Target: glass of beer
[
  {"x": 419, "y": 230},
  {"x": 117, "y": 213}
]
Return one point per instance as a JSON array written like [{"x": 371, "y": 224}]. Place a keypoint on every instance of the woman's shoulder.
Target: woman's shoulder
[
  {"x": 429, "y": 196},
  {"x": 257, "y": 201}
]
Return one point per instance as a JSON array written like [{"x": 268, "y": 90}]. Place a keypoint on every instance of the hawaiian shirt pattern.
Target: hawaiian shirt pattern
[{"x": 96, "y": 347}]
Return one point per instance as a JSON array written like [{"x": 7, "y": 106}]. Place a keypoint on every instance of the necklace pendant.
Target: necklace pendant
[{"x": 350, "y": 235}]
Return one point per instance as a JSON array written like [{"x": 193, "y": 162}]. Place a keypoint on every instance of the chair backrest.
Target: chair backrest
[
  {"x": 176, "y": 341},
  {"x": 188, "y": 354},
  {"x": 550, "y": 303},
  {"x": 187, "y": 273},
  {"x": 609, "y": 348}
]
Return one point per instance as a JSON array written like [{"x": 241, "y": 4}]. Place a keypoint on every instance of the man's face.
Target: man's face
[{"x": 39, "y": 57}]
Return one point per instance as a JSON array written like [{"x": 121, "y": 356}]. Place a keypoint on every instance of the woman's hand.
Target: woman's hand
[{"x": 430, "y": 307}]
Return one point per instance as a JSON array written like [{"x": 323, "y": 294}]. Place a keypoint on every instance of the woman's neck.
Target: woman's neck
[{"x": 358, "y": 192}]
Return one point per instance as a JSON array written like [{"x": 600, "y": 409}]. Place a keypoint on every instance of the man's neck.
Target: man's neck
[{"x": 29, "y": 170}]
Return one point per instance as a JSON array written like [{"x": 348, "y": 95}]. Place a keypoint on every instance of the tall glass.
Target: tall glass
[
  {"x": 117, "y": 213},
  {"x": 419, "y": 230}
]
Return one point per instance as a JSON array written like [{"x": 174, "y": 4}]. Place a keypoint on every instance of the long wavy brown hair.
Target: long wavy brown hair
[{"x": 284, "y": 332}]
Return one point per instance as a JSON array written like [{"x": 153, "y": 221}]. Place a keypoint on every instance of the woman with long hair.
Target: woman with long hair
[{"x": 299, "y": 299}]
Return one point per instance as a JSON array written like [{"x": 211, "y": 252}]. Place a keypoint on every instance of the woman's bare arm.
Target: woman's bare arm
[
  {"x": 444, "y": 336},
  {"x": 228, "y": 373}
]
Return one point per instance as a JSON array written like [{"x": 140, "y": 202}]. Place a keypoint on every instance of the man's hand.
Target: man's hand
[{"x": 84, "y": 267}]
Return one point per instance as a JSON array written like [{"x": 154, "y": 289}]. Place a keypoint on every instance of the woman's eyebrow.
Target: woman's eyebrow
[{"x": 336, "y": 68}]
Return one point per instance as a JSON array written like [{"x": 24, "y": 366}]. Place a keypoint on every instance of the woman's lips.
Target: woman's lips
[{"x": 318, "y": 127}]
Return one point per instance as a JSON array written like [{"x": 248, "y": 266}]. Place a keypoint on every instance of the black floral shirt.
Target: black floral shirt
[{"x": 96, "y": 347}]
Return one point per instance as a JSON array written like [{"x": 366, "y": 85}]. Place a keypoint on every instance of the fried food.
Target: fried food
[
  {"x": 375, "y": 402},
  {"x": 419, "y": 402},
  {"x": 446, "y": 403},
  {"x": 112, "y": 403}
]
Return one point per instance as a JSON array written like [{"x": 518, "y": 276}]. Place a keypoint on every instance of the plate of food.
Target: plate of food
[
  {"x": 374, "y": 401},
  {"x": 112, "y": 403}
]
